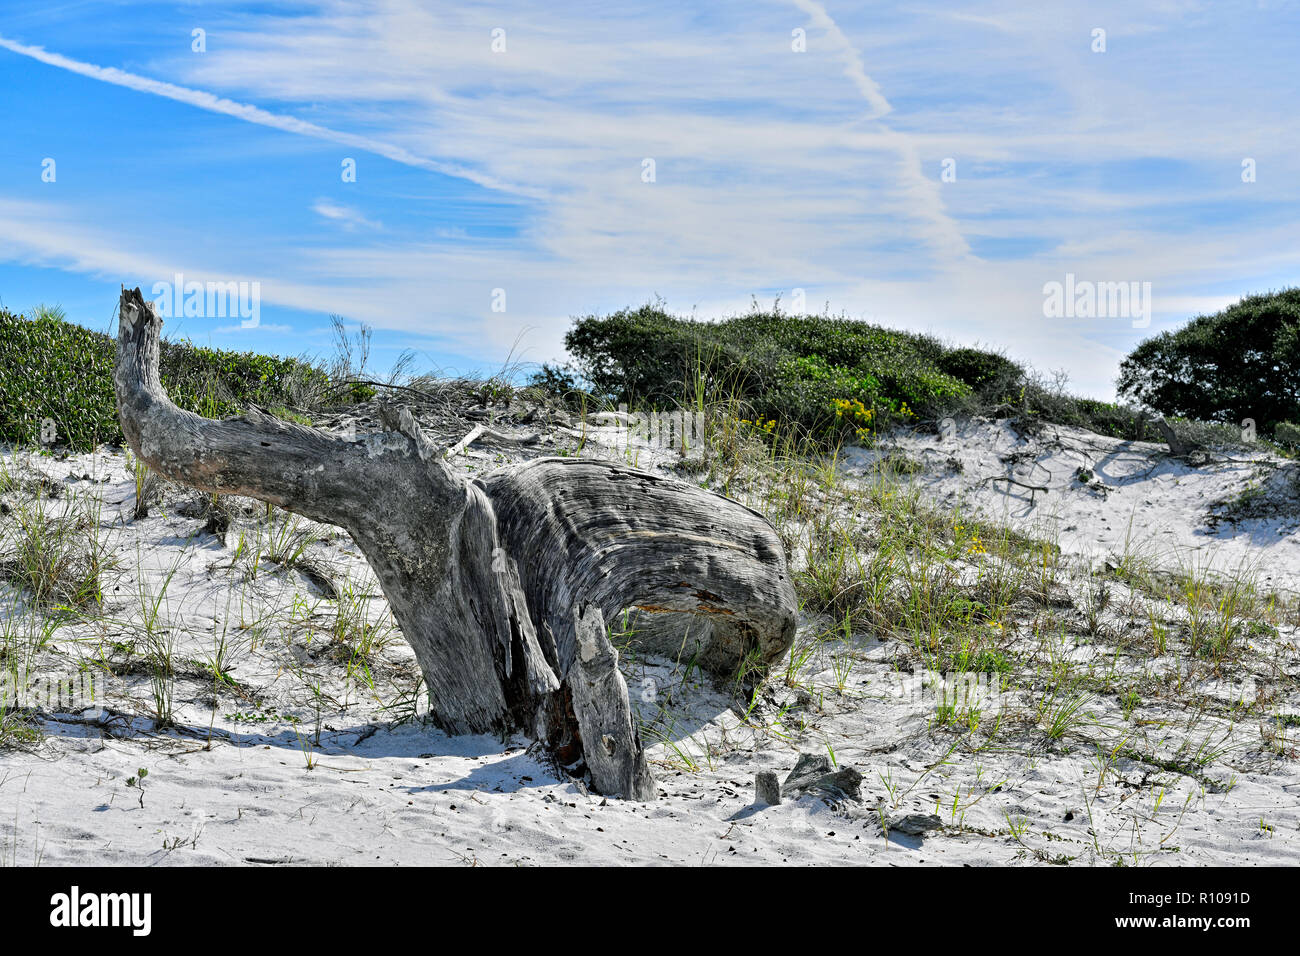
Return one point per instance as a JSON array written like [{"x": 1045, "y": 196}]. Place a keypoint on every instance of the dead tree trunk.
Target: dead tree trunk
[
  {"x": 502, "y": 585},
  {"x": 1177, "y": 447}
]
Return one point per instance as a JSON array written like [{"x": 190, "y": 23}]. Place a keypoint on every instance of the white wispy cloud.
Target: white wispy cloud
[
  {"x": 349, "y": 217},
  {"x": 775, "y": 170}
]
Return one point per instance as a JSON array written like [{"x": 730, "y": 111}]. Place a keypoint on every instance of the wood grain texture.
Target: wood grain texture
[{"x": 585, "y": 531}]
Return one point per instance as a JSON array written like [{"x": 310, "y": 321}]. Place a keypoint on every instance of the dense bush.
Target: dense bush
[
  {"x": 1288, "y": 434},
  {"x": 54, "y": 369},
  {"x": 993, "y": 377},
  {"x": 1243, "y": 362},
  {"x": 822, "y": 373},
  {"x": 1046, "y": 404},
  {"x": 831, "y": 376}
]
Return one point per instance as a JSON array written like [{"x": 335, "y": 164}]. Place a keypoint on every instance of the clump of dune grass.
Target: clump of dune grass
[
  {"x": 17, "y": 729},
  {"x": 55, "y": 552},
  {"x": 354, "y": 637},
  {"x": 288, "y": 540},
  {"x": 147, "y": 484}
]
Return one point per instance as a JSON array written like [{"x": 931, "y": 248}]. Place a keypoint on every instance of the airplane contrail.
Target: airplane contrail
[{"x": 254, "y": 114}]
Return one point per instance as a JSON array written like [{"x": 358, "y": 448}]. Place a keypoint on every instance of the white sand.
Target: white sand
[{"x": 233, "y": 785}]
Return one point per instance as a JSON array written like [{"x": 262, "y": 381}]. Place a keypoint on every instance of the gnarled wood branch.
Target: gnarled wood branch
[{"x": 501, "y": 585}]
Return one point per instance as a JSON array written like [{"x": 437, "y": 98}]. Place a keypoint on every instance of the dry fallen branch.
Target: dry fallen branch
[
  {"x": 1032, "y": 489},
  {"x": 481, "y": 433}
]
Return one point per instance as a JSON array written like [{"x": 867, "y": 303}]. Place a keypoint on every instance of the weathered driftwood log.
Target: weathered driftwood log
[{"x": 502, "y": 585}]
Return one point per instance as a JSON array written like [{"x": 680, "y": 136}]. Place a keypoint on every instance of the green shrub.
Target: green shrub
[
  {"x": 832, "y": 377},
  {"x": 1107, "y": 418},
  {"x": 50, "y": 368},
  {"x": 804, "y": 370},
  {"x": 359, "y": 392},
  {"x": 1104, "y": 418},
  {"x": 1243, "y": 362},
  {"x": 1287, "y": 434},
  {"x": 989, "y": 374}
]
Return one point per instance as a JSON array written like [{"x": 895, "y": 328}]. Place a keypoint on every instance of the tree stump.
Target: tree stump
[{"x": 502, "y": 585}]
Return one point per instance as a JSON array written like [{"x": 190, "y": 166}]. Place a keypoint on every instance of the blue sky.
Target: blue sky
[{"x": 775, "y": 169}]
